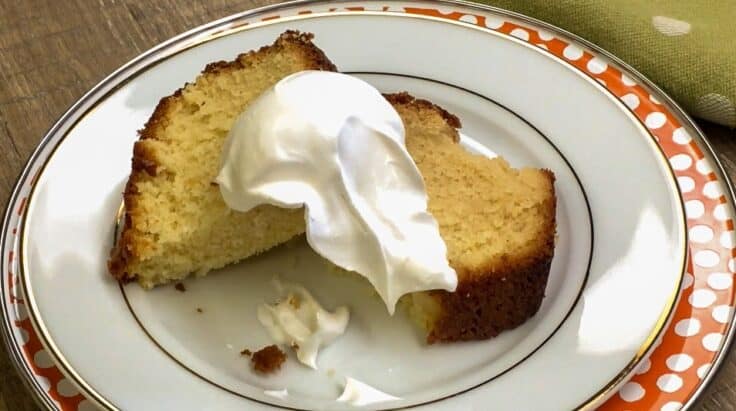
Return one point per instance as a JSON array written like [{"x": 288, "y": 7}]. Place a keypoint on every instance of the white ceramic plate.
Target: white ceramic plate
[{"x": 521, "y": 91}]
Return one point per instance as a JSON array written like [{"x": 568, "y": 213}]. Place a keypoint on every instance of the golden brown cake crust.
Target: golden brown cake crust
[
  {"x": 490, "y": 300},
  {"x": 406, "y": 99},
  {"x": 486, "y": 303},
  {"x": 144, "y": 163}
]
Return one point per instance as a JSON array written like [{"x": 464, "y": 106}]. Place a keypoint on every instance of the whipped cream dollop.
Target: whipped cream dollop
[
  {"x": 331, "y": 143},
  {"x": 300, "y": 321},
  {"x": 360, "y": 394}
]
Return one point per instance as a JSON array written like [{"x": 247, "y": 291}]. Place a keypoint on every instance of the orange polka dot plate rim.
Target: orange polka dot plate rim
[{"x": 639, "y": 308}]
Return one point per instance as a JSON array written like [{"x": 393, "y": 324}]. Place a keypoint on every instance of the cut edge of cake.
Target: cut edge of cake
[
  {"x": 125, "y": 252},
  {"x": 494, "y": 297}
]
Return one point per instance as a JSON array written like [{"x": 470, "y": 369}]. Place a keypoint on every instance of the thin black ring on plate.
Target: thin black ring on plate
[{"x": 465, "y": 390}]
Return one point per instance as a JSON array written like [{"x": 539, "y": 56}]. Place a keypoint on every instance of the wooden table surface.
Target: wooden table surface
[{"x": 51, "y": 52}]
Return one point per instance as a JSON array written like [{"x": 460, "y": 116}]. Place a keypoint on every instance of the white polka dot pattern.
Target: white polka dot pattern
[
  {"x": 669, "y": 382},
  {"x": 703, "y": 167},
  {"x": 20, "y": 312},
  {"x": 631, "y": 392},
  {"x": 469, "y": 18},
  {"x": 719, "y": 212},
  {"x": 520, "y": 34},
  {"x": 572, "y": 52},
  {"x": 727, "y": 239},
  {"x": 66, "y": 388},
  {"x": 43, "y": 382},
  {"x": 681, "y": 162},
  {"x": 23, "y": 335},
  {"x": 687, "y": 281},
  {"x": 701, "y": 233},
  {"x": 86, "y": 405},
  {"x": 494, "y": 22},
  {"x": 712, "y": 189},
  {"x": 680, "y": 136},
  {"x": 42, "y": 359},
  {"x": 544, "y": 35},
  {"x": 720, "y": 281},
  {"x": 631, "y": 101},
  {"x": 671, "y": 406},
  {"x": 702, "y": 298},
  {"x": 722, "y": 313},
  {"x": 703, "y": 370},
  {"x": 627, "y": 81},
  {"x": 655, "y": 120},
  {"x": 706, "y": 258},
  {"x": 597, "y": 65},
  {"x": 687, "y": 327},
  {"x": 679, "y": 362},
  {"x": 645, "y": 365},
  {"x": 694, "y": 209},
  {"x": 687, "y": 184},
  {"x": 712, "y": 341}
]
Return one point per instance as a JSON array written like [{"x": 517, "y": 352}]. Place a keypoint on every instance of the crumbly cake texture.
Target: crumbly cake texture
[
  {"x": 498, "y": 222},
  {"x": 268, "y": 359},
  {"x": 176, "y": 222}
]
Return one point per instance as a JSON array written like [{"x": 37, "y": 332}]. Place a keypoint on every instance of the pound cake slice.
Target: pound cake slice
[
  {"x": 176, "y": 222},
  {"x": 498, "y": 222}
]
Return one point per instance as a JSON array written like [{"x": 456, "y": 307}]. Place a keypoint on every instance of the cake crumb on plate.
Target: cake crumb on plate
[{"x": 268, "y": 359}]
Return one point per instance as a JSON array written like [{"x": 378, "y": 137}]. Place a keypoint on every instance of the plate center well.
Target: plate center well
[{"x": 387, "y": 353}]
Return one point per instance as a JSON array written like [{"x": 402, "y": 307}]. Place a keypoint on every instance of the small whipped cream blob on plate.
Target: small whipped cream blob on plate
[
  {"x": 299, "y": 321},
  {"x": 331, "y": 143}
]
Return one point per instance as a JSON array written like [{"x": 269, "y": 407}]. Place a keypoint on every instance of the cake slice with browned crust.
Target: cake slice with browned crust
[
  {"x": 176, "y": 222},
  {"x": 498, "y": 222}
]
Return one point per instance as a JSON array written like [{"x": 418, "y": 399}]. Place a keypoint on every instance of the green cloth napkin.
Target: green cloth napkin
[{"x": 687, "y": 47}]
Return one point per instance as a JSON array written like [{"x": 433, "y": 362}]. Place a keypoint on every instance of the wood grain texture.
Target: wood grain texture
[{"x": 51, "y": 52}]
